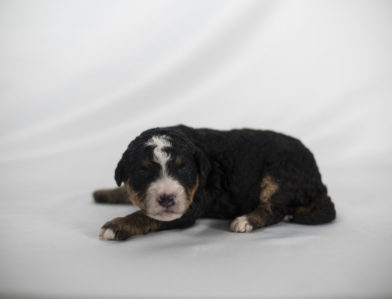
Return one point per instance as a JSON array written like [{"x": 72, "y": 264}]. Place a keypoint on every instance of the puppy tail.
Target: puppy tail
[
  {"x": 320, "y": 212},
  {"x": 112, "y": 196}
]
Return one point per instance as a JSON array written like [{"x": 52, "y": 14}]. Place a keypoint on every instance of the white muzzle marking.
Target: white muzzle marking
[{"x": 162, "y": 186}]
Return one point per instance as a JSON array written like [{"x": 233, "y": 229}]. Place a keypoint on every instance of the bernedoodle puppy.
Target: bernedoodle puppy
[{"x": 176, "y": 175}]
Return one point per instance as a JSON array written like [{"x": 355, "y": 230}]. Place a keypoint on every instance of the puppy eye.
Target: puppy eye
[
  {"x": 144, "y": 172},
  {"x": 144, "y": 168},
  {"x": 181, "y": 166},
  {"x": 145, "y": 165}
]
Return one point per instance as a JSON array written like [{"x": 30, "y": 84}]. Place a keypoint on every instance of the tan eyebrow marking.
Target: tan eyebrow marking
[
  {"x": 178, "y": 160},
  {"x": 146, "y": 162}
]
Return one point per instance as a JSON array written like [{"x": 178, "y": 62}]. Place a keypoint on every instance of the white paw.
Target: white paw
[
  {"x": 241, "y": 225},
  {"x": 106, "y": 234}
]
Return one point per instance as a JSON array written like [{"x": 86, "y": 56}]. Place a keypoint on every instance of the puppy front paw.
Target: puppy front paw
[{"x": 115, "y": 230}]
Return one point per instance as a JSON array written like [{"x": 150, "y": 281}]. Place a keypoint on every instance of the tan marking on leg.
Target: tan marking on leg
[
  {"x": 312, "y": 206},
  {"x": 259, "y": 217},
  {"x": 268, "y": 188},
  {"x": 304, "y": 209}
]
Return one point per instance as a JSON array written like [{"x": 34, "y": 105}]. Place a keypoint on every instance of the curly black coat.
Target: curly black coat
[{"x": 258, "y": 176}]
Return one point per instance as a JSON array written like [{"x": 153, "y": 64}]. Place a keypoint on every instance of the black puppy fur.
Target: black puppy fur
[{"x": 258, "y": 176}]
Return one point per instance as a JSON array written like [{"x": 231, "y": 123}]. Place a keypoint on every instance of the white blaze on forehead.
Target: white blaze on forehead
[{"x": 159, "y": 142}]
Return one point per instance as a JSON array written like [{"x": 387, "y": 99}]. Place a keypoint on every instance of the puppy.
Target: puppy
[{"x": 176, "y": 175}]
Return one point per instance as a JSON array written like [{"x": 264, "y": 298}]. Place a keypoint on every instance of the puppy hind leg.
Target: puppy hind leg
[
  {"x": 112, "y": 196},
  {"x": 321, "y": 211},
  {"x": 264, "y": 214},
  {"x": 260, "y": 217}
]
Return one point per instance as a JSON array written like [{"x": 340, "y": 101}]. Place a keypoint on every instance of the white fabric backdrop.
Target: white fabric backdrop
[{"x": 80, "y": 79}]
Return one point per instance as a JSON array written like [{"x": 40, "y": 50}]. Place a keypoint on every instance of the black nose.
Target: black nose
[{"x": 166, "y": 200}]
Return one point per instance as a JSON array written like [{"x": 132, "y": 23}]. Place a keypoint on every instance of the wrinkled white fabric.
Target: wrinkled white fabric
[{"x": 80, "y": 79}]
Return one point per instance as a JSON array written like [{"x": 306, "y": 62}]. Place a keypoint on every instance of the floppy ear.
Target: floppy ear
[
  {"x": 119, "y": 173},
  {"x": 203, "y": 164}
]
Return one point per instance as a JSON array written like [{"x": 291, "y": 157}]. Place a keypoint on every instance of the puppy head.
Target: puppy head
[{"x": 162, "y": 171}]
